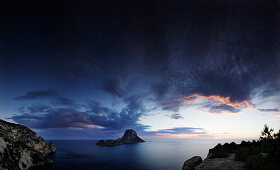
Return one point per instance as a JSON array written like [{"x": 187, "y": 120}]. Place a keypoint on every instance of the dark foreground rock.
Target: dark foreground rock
[
  {"x": 227, "y": 163},
  {"x": 21, "y": 148},
  {"x": 209, "y": 163},
  {"x": 190, "y": 164},
  {"x": 129, "y": 137}
]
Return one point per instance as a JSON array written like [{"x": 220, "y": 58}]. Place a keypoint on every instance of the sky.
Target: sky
[{"x": 91, "y": 69}]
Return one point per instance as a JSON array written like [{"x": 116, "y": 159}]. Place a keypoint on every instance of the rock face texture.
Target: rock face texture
[
  {"x": 21, "y": 148},
  {"x": 129, "y": 137},
  {"x": 190, "y": 164},
  {"x": 227, "y": 163},
  {"x": 110, "y": 142}
]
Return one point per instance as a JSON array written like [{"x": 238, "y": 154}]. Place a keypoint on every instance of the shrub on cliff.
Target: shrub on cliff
[
  {"x": 263, "y": 154},
  {"x": 266, "y": 154}
]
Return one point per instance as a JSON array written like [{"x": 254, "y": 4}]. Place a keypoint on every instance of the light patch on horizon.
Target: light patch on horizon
[
  {"x": 274, "y": 118},
  {"x": 85, "y": 125},
  {"x": 170, "y": 135},
  {"x": 216, "y": 125}
]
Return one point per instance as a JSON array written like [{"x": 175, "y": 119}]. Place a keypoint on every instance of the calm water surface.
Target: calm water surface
[{"x": 150, "y": 155}]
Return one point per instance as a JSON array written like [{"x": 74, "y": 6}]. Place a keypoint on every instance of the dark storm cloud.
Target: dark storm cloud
[
  {"x": 221, "y": 63},
  {"x": 95, "y": 116},
  {"x": 38, "y": 94},
  {"x": 223, "y": 84},
  {"x": 56, "y": 118},
  {"x": 160, "y": 89},
  {"x": 114, "y": 87},
  {"x": 222, "y": 108},
  {"x": 38, "y": 109},
  {"x": 105, "y": 120},
  {"x": 177, "y": 116},
  {"x": 142, "y": 51},
  {"x": 180, "y": 48},
  {"x": 222, "y": 79},
  {"x": 128, "y": 116},
  {"x": 269, "y": 110},
  {"x": 49, "y": 94},
  {"x": 63, "y": 101}
]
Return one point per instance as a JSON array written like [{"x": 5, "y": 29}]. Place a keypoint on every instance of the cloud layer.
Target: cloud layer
[
  {"x": 62, "y": 112},
  {"x": 120, "y": 62}
]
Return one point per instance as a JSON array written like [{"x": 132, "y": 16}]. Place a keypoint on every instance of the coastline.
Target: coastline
[
  {"x": 262, "y": 154},
  {"x": 227, "y": 163},
  {"x": 221, "y": 164}
]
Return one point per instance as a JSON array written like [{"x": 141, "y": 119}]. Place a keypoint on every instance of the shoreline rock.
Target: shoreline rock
[
  {"x": 190, "y": 164},
  {"x": 129, "y": 137},
  {"x": 21, "y": 148},
  {"x": 226, "y": 163}
]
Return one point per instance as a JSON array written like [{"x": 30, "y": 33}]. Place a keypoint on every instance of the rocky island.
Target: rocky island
[
  {"x": 129, "y": 137},
  {"x": 21, "y": 148}
]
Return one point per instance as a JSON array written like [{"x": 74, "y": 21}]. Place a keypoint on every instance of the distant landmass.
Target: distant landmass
[
  {"x": 21, "y": 148},
  {"x": 129, "y": 137}
]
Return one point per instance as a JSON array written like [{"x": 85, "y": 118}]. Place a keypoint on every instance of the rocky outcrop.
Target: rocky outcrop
[
  {"x": 21, "y": 148},
  {"x": 110, "y": 142},
  {"x": 129, "y": 137},
  {"x": 227, "y": 163},
  {"x": 190, "y": 164}
]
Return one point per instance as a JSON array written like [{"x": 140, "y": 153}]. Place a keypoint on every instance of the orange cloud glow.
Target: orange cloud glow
[
  {"x": 218, "y": 103},
  {"x": 220, "y": 99}
]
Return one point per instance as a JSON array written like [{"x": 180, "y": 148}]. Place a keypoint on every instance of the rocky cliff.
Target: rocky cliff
[
  {"x": 227, "y": 163},
  {"x": 129, "y": 137},
  {"x": 190, "y": 164},
  {"x": 209, "y": 163},
  {"x": 21, "y": 148}
]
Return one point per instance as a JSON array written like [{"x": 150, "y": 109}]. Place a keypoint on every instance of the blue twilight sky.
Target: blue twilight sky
[{"x": 168, "y": 69}]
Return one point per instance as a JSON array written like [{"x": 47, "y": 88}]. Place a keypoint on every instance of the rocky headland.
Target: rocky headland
[
  {"x": 226, "y": 163},
  {"x": 21, "y": 148},
  {"x": 263, "y": 154},
  {"x": 129, "y": 137}
]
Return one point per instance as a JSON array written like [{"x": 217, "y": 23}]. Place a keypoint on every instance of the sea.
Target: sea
[{"x": 154, "y": 154}]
